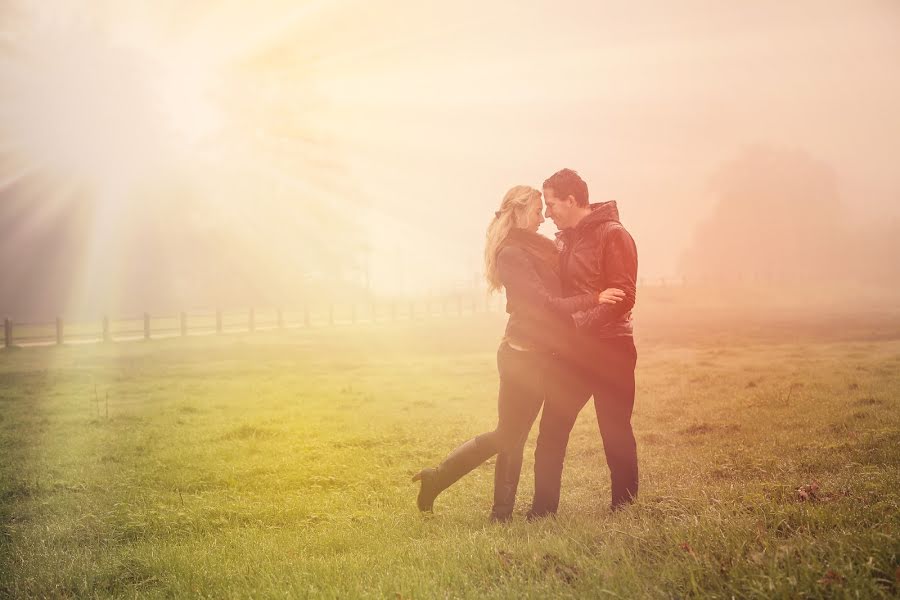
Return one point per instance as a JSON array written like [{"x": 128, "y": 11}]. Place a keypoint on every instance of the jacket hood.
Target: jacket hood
[{"x": 601, "y": 212}]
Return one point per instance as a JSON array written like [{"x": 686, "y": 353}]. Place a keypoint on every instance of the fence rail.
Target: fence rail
[
  {"x": 219, "y": 321},
  {"x": 250, "y": 320}
]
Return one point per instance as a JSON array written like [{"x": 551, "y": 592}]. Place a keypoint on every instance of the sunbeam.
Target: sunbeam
[
  {"x": 315, "y": 139},
  {"x": 180, "y": 129}
]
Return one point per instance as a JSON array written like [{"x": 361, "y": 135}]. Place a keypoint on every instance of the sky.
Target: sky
[{"x": 286, "y": 135}]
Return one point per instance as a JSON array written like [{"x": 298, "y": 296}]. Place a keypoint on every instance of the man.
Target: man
[{"x": 596, "y": 253}]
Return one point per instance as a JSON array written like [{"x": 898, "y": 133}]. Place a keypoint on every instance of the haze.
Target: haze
[{"x": 158, "y": 156}]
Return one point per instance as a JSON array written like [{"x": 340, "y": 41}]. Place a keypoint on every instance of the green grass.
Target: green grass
[{"x": 278, "y": 465}]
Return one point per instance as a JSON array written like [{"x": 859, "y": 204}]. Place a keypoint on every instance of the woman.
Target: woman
[{"x": 540, "y": 324}]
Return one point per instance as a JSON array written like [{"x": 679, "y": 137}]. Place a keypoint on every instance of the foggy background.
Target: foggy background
[{"x": 159, "y": 157}]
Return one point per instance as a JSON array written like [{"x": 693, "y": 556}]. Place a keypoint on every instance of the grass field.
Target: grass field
[{"x": 278, "y": 466}]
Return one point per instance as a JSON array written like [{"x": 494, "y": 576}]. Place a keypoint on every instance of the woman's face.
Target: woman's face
[{"x": 534, "y": 217}]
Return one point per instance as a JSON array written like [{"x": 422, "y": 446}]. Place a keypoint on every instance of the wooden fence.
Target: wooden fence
[
  {"x": 219, "y": 321},
  {"x": 250, "y": 320}
]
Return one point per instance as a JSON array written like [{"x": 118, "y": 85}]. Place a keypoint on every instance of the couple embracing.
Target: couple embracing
[{"x": 568, "y": 338}]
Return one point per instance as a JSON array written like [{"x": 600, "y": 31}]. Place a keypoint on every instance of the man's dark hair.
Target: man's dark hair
[{"x": 567, "y": 182}]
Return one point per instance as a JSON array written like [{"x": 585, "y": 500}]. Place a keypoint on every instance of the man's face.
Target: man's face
[{"x": 559, "y": 210}]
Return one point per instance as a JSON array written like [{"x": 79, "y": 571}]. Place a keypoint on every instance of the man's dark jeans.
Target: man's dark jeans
[{"x": 609, "y": 378}]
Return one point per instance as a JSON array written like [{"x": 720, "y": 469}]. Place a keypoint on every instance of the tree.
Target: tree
[{"x": 777, "y": 218}]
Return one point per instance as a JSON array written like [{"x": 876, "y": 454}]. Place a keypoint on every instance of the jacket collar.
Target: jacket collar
[{"x": 601, "y": 212}]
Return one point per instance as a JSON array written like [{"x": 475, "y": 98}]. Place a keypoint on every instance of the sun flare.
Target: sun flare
[
  {"x": 100, "y": 114},
  {"x": 209, "y": 141}
]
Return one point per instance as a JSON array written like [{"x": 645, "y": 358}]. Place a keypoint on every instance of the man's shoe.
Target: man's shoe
[
  {"x": 500, "y": 517},
  {"x": 620, "y": 506},
  {"x": 533, "y": 515}
]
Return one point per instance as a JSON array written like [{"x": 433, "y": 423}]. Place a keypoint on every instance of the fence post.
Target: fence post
[
  {"x": 7, "y": 332},
  {"x": 279, "y": 316},
  {"x": 146, "y": 326},
  {"x": 218, "y": 320},
  {"x": 251, "y": 324},
  {"x": 59, "y": 331},
  {"x": 105, "y": 328},
  {"x": 183, "y": 319}
]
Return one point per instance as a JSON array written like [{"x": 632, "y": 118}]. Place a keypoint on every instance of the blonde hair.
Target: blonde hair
[{"x": 513, "y": 213}]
